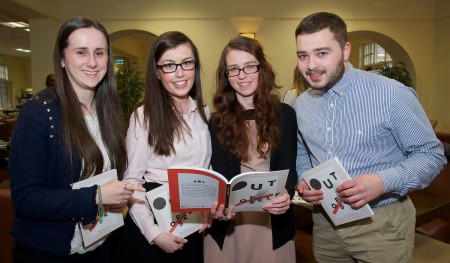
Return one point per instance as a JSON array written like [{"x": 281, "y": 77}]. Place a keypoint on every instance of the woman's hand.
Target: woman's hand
[
  {"x": 279, "y": 205},
  {"x": 169, "y": 243},
  {"x": 222, "y": 214},
  {"x": 117, "y": 193}
]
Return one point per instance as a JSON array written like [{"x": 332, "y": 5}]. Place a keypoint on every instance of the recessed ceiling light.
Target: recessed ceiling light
[
  {"x": 15, "y": 24},
  {"x": 23, "y": 50},
  {"x": 249, "y": 35}
]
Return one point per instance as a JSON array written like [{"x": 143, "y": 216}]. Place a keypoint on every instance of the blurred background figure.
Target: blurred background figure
[
  {"x": 300, "y": 85},
  {"x": 50, "y": 80}
]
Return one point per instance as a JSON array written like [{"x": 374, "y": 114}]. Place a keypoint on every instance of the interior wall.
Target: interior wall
[
  {"x": 133, "y": 51},
  {"x": 18, "y": 72},
  {"x": 277, "y": 38},
  {"x": 210, "y": 26},
  {"x": 132, "y": 47},
  {"x": 356, "y": 42},
  {"x": 42, "y": 41},
  {"x": 133, "y": 44},
  {"x": 440, "y": 91}
]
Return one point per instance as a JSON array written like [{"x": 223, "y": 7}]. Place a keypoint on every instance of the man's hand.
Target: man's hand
[
  {"x": 360, "y": 190},
  {"x": 314, "y": 197}
]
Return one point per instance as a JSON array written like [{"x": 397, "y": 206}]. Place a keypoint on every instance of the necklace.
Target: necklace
[
  {"x": 90, "y": 113},
  {"x": 177, "y": 110},
  {"x": 89, "y": 108}
]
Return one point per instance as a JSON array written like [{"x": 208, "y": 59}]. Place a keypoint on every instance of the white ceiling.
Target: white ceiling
[{"x": 12, "y": 38}]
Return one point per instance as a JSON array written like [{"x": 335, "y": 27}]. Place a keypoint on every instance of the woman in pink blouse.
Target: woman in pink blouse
[{"x": 170, "y": 128}]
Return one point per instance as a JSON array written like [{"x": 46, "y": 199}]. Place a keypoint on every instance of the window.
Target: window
[
  {"x": 3, "y": 72},
  {"x": 374, "y": 56},
  {"x": 6, "y": 94}
]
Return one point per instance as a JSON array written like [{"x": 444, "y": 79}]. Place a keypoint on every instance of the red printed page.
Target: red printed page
[{"x": 195, "y": 189}]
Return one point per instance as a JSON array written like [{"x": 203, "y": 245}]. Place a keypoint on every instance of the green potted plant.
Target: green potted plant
[
  {"x": 130, "y": 86},
  {"x": 396, "y": 71}
]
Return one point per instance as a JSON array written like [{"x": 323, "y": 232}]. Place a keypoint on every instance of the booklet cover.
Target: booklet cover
[
  {"x": 195, "y": 189},
  {"x": 111, "y": 221},
  {"x": 326, "y": 177},
  {"x": 180, "y": 224}
]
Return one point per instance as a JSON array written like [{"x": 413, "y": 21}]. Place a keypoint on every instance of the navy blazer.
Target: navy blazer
[{"x": 41, "y": 174}]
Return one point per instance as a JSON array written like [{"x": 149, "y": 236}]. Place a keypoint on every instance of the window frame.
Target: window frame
[
  {"x": 3, "y": 72},
  {"x": 373, "y": 56}
]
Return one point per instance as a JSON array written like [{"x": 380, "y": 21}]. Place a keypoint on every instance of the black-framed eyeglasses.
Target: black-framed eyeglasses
[
  {"x": 172, "y": 67},
  {"x": 249, "y": 69}
]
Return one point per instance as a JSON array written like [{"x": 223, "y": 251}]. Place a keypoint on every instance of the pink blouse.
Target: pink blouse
[{"x": 145, "y": 166}]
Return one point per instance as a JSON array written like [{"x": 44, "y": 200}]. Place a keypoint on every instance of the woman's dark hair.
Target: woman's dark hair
[
  {"x": 76, "y": 136},
  {"x": 163, "y": 122},
  {"x": 229, "y": 117}
]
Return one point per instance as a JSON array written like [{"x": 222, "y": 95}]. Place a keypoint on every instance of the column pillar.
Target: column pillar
[{"x": 43, "y": 33}]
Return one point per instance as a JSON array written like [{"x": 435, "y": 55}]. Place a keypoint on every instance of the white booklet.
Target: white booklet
[
  {"x": 326, "y": 177},
  {"x": 180, "y": 224},
  {"x": 110, "y": 222}
]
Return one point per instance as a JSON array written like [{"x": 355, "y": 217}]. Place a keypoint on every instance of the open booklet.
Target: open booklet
[
  {"x": 110, "y": 222},
  {"x": 181, "y": 224},
  {"x": 326, "y": 177},
  {"x": 297, "y": 200},
  {"x": 195, "y": 189}
]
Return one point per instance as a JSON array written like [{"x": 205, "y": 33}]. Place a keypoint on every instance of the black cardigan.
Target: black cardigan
[{"x": 284, "y": 157}]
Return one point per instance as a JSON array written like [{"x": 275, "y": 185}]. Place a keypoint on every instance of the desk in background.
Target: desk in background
[
  {"x": 4, "y": 132},
  {"x": 303, "y": 213},
  {"x": 428, "y": 207},
  {"x": 426, "y": 249},
  {"x": 7, "y": 126},
  {"x": 429, "y": 250}
]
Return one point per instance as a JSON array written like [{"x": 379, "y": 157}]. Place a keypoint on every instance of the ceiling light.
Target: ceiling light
[
  {"x": 15, "y": 24},
  {"x": 18, "y": 24},
  {"x": 23, "y": 50},
  {"x": 249, "y": 35}
]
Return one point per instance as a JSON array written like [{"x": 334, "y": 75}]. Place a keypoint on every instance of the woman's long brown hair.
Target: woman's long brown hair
[
  {"x": 76, "y": 136},
  {"x": 229, "y": 117},
  {"x": 163, "y": 122}
]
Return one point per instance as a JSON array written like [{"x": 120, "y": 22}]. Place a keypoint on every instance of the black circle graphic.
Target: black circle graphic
[
  {"x": 239, "y": 186},
  {"x": 159, "y": 203},
  {"x": 315, "y": 184}
]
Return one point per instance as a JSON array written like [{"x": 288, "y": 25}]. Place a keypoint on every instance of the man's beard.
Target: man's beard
[{"x": 333, "y": 78}]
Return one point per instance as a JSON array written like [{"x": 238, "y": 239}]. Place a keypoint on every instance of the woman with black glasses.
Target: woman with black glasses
[
  {"x": 251, "y": 130},
  {"x": 169, "y": 128}
]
